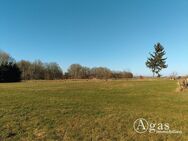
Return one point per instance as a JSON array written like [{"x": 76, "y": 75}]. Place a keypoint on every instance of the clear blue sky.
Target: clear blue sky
[{"x": 117, "y": 34}]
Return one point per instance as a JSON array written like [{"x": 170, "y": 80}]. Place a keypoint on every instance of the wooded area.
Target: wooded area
[{"x": 12, "y": 71}]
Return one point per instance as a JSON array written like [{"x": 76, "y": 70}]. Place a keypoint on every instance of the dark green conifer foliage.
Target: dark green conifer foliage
[{"x": 156, "y": 62}]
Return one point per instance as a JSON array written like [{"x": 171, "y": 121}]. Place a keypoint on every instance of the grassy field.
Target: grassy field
[{"x": 90, "y": 110}]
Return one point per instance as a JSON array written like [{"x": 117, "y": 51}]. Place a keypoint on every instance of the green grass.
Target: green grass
[{"x": 90, "y": 110}]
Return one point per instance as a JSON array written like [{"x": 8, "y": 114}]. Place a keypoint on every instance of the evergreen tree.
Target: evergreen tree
[
  {"x": 9, "y": 71},
  {"x": 156, "y": 62}
]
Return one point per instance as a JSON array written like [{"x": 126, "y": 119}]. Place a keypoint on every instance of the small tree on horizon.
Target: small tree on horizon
[{"x": 156, "y": 62}]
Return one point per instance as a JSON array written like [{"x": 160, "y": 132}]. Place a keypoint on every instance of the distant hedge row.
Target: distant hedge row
[
  {"x": 76, "y": 71},
  {"x": 12, "y": 71}
]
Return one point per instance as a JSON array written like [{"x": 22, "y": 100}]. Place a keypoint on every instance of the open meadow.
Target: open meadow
[{"x": 94, "y": 110}]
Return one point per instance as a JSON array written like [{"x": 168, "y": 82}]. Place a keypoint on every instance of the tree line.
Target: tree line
[
  {"x": 9, "y": 71},
  {"x": 77, "y": 71},
  {"x": 12, "y": 71},
  {"x": 38, "y": 70}
]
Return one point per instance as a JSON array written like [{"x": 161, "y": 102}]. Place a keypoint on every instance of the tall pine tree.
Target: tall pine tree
[{"x": 156, "y": 62}]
